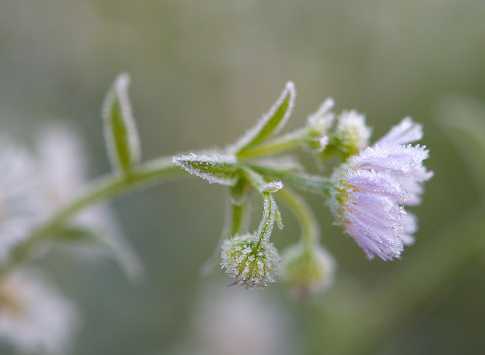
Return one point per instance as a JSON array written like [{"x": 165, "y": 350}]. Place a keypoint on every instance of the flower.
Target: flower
[
  {"x": 372, "y": 188},
  {"x": 33, "y": 317},
  {"x": 236, "y": 322},
  {"x": 307, "y": 272},
  {"x": 250, "y": 261},
  {"x": 63, "y": 168},
  {"x": 21, "y": 204}
]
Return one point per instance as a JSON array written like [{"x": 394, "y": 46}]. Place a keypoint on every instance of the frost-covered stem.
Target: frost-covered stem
[
  {"x": 278, "y": 145},
  {"x": 312, "y": 183},
  {"x": 266, "y": 226},
  {"x": 100, "y": 190},
  {"x": 308, "y": 223},
  {"x": 410, "y": 285}
]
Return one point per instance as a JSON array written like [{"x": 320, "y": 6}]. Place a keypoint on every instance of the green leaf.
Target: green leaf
[
  {"x": 270, "y": 123},
  {"x": 119, "y": 127},
  {"x": 213, "y": 167},
  {"x": 124, "y": 255},
  {"x": 464, "y": 121}
]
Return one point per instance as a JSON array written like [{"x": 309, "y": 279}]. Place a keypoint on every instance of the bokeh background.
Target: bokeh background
[{"x": 203, "y": 72}]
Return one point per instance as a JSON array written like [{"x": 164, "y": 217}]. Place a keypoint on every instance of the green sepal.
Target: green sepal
[
  {"x": 213, "y": 167},
  {"x": 119, "y": 127},
  {"x": 270, "y": 123}
]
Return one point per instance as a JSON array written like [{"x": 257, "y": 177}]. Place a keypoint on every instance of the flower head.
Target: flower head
[
  {"x": 373, "y": 187},
  {"x": 307, "y": 272},
  {"x": 33, "y": 317},
  {"x": 250, "y": 261}
]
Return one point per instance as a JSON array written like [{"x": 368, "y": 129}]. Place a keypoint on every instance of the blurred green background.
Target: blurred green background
[{"x": 203, "y": 72}]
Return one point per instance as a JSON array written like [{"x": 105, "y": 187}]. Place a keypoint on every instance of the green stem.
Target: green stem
[
  {"x": 279, "y": 145},
  {"x": 309, "y": 226},
  {"x": 313, "y": 183},
  {"x": 102, "y": 189}
]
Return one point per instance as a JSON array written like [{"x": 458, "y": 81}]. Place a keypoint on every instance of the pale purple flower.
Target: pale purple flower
[{"x": 373, "y": 187}]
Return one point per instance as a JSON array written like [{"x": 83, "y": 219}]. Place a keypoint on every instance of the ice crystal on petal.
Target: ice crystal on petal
[
  {"x": 373, "y": 187},
  {"x": 405, "y": 132},
  {"x": 250, "y": 261},
  {"x": 33, "y": 317}
]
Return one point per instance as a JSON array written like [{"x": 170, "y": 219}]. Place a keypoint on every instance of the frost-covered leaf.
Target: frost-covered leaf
[
  {"x": 271, "y": 122},
  {"x": 119, "y": 126},
  {"x": 213, "y": 167},
  {"x": 124, "y": 255},
  {"x": 464, "y": 120},
  {"x": 286, "y": 163}
]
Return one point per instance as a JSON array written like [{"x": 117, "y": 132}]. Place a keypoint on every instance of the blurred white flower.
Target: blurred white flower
[
  {"x": 21, "y": 205},
  {"x": 237, "y": 322},
  {"x": 33, "y": 317},
  {"x": 64, "y": 167}
]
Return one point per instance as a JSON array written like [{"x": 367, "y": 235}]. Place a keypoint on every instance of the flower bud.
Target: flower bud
[
  {"x": 351, "y": 135},
  {"x": 307, "y": 272},
  {"x": 250, "y": 262}
]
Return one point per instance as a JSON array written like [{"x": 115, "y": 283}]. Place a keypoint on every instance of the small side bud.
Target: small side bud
[
  {"x": 307, "y": 272},
  {"x": 319, "y": 124},
  {"x": 250, "y": 262},
  {"x": 351, "y": 135}
]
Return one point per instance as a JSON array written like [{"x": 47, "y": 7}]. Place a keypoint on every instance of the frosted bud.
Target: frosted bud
[
  {"x": 250, "y": 262},
  {"x": 307, "y": 272},
  {"x": 351, "y": 135},
  {"x": 319, "y": 123}
]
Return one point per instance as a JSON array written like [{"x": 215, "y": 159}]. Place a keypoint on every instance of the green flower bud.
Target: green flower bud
[
  {"x": 351, "y": 135},
  {"x": 249, "y": 261},
  {"x": 307, "y": 272}
]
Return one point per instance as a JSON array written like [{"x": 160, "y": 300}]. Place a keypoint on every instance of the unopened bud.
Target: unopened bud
[
  {"x": 351, "y": 134},
  {"x": 250, "y": 262},
  {"x": 307, "y": 272}
]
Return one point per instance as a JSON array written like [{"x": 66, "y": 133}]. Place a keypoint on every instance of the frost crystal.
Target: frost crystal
[
  {"x": 250, "y": 261},
  {"x": 372, "y": 188},
  {"x": 33, "y": 317}
]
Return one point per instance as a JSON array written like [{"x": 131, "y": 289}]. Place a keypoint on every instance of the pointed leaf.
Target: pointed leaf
[
  {"x": 119, "y": 126},
  {"x": 271, "y": 122},
  {"x": 213, "y": 167}
]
